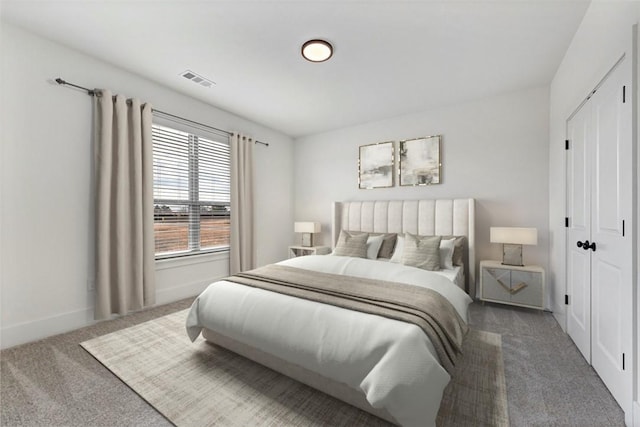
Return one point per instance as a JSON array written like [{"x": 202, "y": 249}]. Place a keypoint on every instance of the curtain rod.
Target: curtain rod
[{"x": 92, "y": 92}]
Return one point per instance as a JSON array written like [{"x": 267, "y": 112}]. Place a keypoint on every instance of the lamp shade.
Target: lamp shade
[
  {"x": 306, "y": 227},
  {"x": 514, "y": 235}
]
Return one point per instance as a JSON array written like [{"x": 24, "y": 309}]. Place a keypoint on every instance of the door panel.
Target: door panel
[
  {"x": 579, "y": 309},
  {"x": 607, "y": 319},
  {"x": 611, "y": 263},
  {"x": 579, "y": 213},
  {"x": 606, "y": 206},
  {"x": 579, "y": 194}
]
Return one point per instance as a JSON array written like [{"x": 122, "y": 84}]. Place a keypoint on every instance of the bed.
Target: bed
[{"x": 384, "y": 366}]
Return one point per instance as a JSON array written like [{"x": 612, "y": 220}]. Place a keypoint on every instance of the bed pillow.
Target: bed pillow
[
  {"x": 421, "y": 251},
  {"x": 458, "y": 248},
  {"x": 446, "y": 253},
  {"x": 388, "y": 245},
  {"x": 353, "y": 245},
  {"x": 373, "y": 246},
  {"x": 397, "y": 253},
  {"x": 457, "y": 254}
]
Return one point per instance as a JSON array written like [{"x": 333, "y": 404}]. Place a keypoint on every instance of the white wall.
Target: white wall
[
  {"x": 494, "y": 150},
  {"x": 46, "y": 195},
  {"x": 605, "y": 34}
]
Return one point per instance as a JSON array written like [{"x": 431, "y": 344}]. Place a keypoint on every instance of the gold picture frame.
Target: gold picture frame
[
  {"x": 375, "y": 165},
  {"x": 420, "y": 161}
]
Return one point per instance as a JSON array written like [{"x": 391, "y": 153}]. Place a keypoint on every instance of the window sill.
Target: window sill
[{"x": 165, "y": 263}]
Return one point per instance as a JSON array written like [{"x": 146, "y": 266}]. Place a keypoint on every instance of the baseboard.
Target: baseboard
[
  {"x": 34, "y": 330},
  {"x": 561, "y": 319},
  {"x": 42, "y": 328}
]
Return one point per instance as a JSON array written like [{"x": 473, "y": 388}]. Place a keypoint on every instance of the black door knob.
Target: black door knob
[{"x": 586, "y": 245}]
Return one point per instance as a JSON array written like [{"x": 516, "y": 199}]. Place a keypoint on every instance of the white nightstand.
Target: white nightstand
[
  {"x": 509, "y": 284},
  {"x": 295, "y": 251}
]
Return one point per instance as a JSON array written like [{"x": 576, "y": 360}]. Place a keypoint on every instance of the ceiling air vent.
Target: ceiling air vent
[{"x": 197, "y": 78}]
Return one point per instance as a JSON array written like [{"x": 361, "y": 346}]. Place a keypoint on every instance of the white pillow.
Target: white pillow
[
  {"x": 397, "y": 252},
  {"x": 373, "y": 246},
  {"x": 446, "y": 254}
]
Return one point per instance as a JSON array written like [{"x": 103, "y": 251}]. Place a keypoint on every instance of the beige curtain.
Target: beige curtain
[
  {"x": 125, "y": 265},
  {"x": 243, "y": 252}
]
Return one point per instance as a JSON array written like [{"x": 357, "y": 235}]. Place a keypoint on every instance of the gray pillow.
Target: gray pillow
[
  {"x": 458, "y": 248},
  {"x": 388, "y": 243},
  {"x": 353, "y": 245},
  {"x": 421, "y": 251}
]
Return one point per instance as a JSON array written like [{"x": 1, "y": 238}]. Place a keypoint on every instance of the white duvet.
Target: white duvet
[{"x": 392, "y": 362}]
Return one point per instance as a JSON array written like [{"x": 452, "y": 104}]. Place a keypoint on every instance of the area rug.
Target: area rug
[{"x": 200, "y": 384}]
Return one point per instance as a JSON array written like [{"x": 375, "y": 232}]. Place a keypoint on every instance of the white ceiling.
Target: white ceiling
[{"x": 391, "y": 57}]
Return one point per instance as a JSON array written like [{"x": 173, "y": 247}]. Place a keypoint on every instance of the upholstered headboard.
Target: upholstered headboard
[{"x": 436, "y": 217}]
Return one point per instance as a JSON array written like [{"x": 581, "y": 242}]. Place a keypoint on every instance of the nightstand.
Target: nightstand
[
  {"x": 510, "y": 284},
  {"x": 295, "y": 251}
]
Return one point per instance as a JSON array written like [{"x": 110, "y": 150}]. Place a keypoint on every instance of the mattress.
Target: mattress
[{"x": 392, "y": 363}]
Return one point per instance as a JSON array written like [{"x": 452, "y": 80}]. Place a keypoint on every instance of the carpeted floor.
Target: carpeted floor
[
  {"x": 548, "y": 381},
  {"x": 202, "y": 385},
  {"x": 55, "y": 382}
]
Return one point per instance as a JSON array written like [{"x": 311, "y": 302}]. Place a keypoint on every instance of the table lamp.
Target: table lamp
[
  {"x": 512, "y": 239},
  {"x": 307, "y": 229}
]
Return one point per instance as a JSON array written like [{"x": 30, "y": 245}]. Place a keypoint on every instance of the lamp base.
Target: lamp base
[
  {"x": 307, "y": 239},
  {"x": 512, "y": 255}
]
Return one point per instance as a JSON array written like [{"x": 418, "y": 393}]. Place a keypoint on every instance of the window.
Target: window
[{"x": 191, "y": 192}]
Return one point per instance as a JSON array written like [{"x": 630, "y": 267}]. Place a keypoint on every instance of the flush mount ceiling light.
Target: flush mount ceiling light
[{"x": 317, "y": 50}]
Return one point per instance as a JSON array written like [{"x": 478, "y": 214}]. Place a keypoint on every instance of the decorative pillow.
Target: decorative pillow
[
  {"x": 458, "y": 248},
  {"x": 373, "y": 246},
  {"x": 351, "y": 245},
  {"x": 388, "y": 244},
  {"x": 397, "y": 253},
  {"x": 446, "y": 253},
  {"x": 421, "y": 252}
]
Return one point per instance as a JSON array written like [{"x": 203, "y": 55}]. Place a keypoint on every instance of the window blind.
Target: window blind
[{"x": 191, "y": 191}]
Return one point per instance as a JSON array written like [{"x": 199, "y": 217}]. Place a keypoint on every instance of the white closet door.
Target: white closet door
[
  {"x": 599, "y": 250},
  {"x": 579, "y": 213},
  {"x": 611, "y": 261}
]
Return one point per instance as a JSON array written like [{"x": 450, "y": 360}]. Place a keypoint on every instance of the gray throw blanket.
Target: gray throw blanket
[{"x": 423, "y": 307}]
